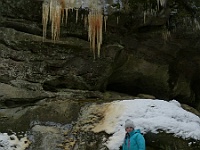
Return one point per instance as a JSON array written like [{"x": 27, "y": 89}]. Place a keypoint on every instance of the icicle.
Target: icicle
[
  {"x": 45, "y": 15},
  {"x": 85, "y": 21},
  {"x": 77, "y": 5},
  {"x": 62, "y": 3},
  {"x": 52, "y": 15},
  {"x": 99, "y": 22},
  {"x": 196, "y": 24},
  {"x": 82, "y": 17},
  {"x": 144, "y": 17},
  {"x": 95, "y": 20},
  {"x": 55, "y": 10},
  {"x": 105, "y": 22},
  {"x": 92, "y": 30},
  {"x": 166, "y": 35},
  {"x": 76, "y": 15},
  {"x": 89, "y": 27},
  {"x": 56, "y": 19},
  {"x": 162, "y": 3},
  {"x": 52, "y": 10},
  {"x": 158, "y": 4}
]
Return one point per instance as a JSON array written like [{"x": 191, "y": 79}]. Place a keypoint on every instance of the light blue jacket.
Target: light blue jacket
[{"x": 134, "y": 141}]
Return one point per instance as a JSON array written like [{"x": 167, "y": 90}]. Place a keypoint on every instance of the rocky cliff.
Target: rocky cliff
[
  {"x": 159, "y": 56},
  {"x": 145, "y": 50}
]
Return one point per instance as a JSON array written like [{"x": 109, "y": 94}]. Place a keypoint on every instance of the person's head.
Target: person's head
[{"x": 129, "y": 125}]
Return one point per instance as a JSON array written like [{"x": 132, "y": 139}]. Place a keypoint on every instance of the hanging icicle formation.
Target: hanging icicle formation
[
  {"x": 45, "y": 16},
  {"x": 95, "y": 21},
  {"x": 55, "y": 10},
  {"x": 196, "y": 24},
  {"x": 162, "y": 3},
  {"x": 153, "y": 11},
  {"x": 52, "y": 12}
]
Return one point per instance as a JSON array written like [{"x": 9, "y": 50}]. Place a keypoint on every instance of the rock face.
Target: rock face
[
  {"x": 157, "y": 56},
  {"x": 55, "y": 124}
]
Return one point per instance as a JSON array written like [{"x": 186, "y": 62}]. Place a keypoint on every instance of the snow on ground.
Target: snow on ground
[
  {"x": 11, "y": 142},
  {"x": 148, "y": 115}
]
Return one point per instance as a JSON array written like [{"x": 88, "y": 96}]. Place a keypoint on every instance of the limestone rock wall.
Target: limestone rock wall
[{"x": 136, "y": 57}]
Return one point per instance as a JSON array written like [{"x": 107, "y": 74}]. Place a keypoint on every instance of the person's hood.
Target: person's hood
[{"x": 134, "y": 132}]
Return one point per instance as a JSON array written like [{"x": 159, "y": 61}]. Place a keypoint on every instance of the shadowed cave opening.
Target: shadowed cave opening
[{"x": 126, "y": 89}]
